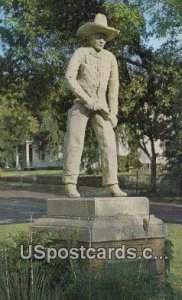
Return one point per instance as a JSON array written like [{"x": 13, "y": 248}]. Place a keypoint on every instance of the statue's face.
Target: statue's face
[{"x": 98, "y": 41}]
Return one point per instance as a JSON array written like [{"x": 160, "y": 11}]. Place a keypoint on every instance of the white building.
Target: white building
[
  {"x": 123, "y": 150},
  {"x": 29, "y": 157}
]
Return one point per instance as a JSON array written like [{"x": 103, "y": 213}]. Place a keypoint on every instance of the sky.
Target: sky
[{"x": 156, "y": 43}]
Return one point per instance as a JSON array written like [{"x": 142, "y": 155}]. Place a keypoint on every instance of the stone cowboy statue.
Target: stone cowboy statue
[{"x": 91, "y": 74}]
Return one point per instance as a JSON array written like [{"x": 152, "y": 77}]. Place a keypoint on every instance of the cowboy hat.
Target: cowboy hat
[{"x": 98, "y": 26}]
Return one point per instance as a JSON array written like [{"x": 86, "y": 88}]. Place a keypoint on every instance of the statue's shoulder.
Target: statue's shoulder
[
  {"x": 108, "y": 53},
  {"x": 82, "y": 50}
]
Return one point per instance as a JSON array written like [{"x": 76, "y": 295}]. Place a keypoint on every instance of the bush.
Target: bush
[{"x": 65, "y": 279}]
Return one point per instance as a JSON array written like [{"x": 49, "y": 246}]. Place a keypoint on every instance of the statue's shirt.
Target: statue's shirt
[{"x": 92, "y": 75}]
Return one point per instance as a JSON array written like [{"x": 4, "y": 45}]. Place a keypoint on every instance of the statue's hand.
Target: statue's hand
[
  {"x": 92, "y": 105},
  {"x": 113, "y": 119},
  {"x": 89, "y": 104}
]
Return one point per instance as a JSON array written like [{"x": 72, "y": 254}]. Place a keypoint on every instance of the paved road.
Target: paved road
[
  {"x": 168, "y": 213},
  {"x": 21, "y": 206},
  {"x": 18, "y": 206}
]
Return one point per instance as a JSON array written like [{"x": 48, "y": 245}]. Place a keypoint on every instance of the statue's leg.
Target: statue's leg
[
  {"x": 73, "y": 142},
  {"x": 107, "y": 143}
]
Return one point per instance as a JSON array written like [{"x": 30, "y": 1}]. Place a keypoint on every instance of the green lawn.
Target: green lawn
[
  {"x": 176, "y": 266},
  {"x": 29, "y": 173},
  {"x": 15, "y": 172}
]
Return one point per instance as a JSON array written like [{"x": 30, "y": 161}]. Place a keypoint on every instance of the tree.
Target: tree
[
  {"x": 38, "y": 37},
  {"x": 16, "y": 123},
  {"x": 148, "y": 93},
  {"x": 173, "y": 151}
]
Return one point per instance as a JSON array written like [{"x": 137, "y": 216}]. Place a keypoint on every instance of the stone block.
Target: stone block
[
  {"x": 102, "y": 219},
  {"x": 98, "y": 207}
]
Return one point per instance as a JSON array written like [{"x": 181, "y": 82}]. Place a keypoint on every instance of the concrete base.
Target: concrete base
[
  {"x": 102, "y": 219},
  {"x": 107, "y": 222}
]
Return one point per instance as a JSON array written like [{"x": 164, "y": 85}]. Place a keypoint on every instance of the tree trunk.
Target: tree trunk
[
  {"x": 153, "y": 175},
  {"x": 153, "y": 169}
]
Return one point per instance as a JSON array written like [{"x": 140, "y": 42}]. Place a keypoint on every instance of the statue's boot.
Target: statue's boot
[
  {"x": 115, "y": 190},
  {"x": 71, "y": 190}
]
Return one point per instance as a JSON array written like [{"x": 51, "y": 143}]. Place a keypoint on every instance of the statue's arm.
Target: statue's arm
[
  {"x": 113, "y": 87},
  {"x": 71, "y": 78}
]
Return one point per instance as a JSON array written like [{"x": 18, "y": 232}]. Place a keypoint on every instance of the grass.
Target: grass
[
  {"x": 23, "y": 173},
  {"x": 176, "y": 266},
  {"x": 7, "y": 230},
  {"x": 57, "y": 171},
  {"x": 16, "y": 173}
]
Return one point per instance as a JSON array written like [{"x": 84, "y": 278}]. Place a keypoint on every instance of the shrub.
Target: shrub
[{"x": 66, "y": 279}]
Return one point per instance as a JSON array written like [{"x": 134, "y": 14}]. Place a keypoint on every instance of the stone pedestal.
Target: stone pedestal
[{"x": 121, "y": 222}]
